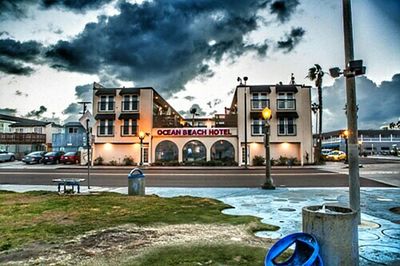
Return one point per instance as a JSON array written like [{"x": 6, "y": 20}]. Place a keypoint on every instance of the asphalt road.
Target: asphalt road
[{"x": 293, "y": 177}]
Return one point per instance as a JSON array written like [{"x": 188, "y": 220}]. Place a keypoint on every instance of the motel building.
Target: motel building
[{"x": 122, "y": 113}]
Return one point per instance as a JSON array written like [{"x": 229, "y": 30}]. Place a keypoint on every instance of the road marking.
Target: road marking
[{"x": 177, "y": 174}]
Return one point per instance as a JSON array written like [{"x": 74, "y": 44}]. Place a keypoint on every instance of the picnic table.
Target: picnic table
[{"x": 68, "y": 182}]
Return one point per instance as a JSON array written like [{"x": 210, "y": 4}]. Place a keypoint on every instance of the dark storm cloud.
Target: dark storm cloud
[
  {"x": 37, "y": 113},
  {"x": 378, "y": 104},
  {"x": 189, "y": 98},
  {"x": 291, "y": 39},
  {"x": 8, "y": 111},
  {"x": 15, "y": 68},
  {"x": 214, "y": 103},
  {"x": 283, "y": 9},
  {"x": 19, "y": 8},
  {"x": 163, "y": 44},
  {"x": 188, "y": 114}
]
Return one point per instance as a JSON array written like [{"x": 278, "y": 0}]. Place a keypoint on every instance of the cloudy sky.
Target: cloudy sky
[{"x": 192, "y": 51}]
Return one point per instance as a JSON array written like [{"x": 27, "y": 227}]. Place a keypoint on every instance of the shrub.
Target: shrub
[
  {"x": 128, "y": 160},
  {"x": 98, "y": 161},
  {"x": 113, "y": 163},
  {"x": 258, "y": 160}
]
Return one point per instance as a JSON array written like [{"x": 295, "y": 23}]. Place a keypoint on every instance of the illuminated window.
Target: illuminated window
[
  {"x": 167, "y": 151},
  {"x": 194, "y": 151},
  {"x": 222, "y": 150}
]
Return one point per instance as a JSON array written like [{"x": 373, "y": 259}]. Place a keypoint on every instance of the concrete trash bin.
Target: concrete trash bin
[
  {"x": 136, "y": 183},
  {"x": 336, "y": 231}
]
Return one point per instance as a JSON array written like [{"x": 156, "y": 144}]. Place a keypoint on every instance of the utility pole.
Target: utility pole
[
  {"x": 354, "y": 175},
  {"x": 87, "y": 141}
]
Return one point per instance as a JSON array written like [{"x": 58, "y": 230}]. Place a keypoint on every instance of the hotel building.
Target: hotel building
[{"x": 121, "y": 113}]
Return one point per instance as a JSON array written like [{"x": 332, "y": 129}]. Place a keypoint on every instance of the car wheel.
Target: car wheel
[{"x": 12, "y": 159}]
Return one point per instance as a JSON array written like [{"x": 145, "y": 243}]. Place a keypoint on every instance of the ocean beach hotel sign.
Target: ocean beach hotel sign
[{"x": 202, "y": 132}]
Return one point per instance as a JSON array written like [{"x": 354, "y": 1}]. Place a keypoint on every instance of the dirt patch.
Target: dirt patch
[{"x": 132, "y": 239}]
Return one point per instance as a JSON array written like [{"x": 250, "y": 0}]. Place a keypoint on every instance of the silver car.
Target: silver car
[{"x": 6, "y": 156}]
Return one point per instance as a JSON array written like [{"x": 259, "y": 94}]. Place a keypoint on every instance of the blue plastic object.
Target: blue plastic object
[
  {"x": 136, "y": 173},
  {"x": 306, "y": 252}
]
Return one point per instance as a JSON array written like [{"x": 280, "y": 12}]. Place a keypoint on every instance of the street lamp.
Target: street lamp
[
  {"x": 142, "y": 135},
  {"x": 345, "y": 135},
  {"x": 269, "y": 183}
]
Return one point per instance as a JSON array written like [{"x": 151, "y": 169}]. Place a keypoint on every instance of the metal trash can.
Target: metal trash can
[
  {"x": 136, "y": 183},
  {"x": 336, "y": 230}
]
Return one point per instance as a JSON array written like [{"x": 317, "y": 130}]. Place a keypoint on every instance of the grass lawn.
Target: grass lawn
[{"x": 46, "y": 217}]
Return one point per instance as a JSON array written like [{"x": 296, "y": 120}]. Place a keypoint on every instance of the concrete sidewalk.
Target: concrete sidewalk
[{"x": 379, "y": 233}]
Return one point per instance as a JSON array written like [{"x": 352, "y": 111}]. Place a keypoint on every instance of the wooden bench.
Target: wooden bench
[{"x": 68, "y": 182}]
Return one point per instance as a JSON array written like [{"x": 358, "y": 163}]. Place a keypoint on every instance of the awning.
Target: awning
[
  {"x": 106, "y": 91},
  {"x": 129, "y": 116},
  {"x": 286, "y": 88},
  {"x": 260, "y": 88},
  {"x": 105, "y": 116},
  {"x": 287, "y": 114},
  {"x": 129, "y": 91}
]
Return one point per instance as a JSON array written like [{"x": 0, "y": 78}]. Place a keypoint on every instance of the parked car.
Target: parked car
[
  {"x": 325, "y": 152},
  {"x": 6, "y": 156},
  {"x": 336, "y": 156},
  {"x": 34, "y": 157},
  {"x": 53, "y": 157},
  {"x": 71, "y": 157}
]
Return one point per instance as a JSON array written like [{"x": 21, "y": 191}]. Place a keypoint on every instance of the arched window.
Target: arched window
[
  {"x": 166, "y": 151},
  {"x": 194, "y": 150},
  {"x": 222, "y": 150}
]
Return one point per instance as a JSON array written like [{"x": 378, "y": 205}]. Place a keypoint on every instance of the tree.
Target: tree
[{"x": 315, "y": 74}]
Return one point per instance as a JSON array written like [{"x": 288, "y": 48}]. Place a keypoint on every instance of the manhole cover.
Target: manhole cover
[
  {"x": 395, "y": 210},
  {"x": 269, "y": 234},
  {"x": 366, "y": 236},
  {"x": 287, "y": 209},
  {"x": 392, "y": 233},
  {"x": 382, "y": 254}
]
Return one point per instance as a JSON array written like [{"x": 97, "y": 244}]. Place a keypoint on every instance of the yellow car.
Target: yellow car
[{"x": 336, "y": 156}]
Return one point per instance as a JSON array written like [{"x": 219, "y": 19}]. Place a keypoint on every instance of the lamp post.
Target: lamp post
[
  {"x": 141, "y": 137},
  {"x": 345, "y": 135},
  {"x": 269, "y": 183}
]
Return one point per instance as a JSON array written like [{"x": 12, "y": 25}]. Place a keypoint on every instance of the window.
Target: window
[
  {"x": 106, "y": 103},
  {"x": 194, "y": 151},
  {"x": 129, "y": 127},
  {"x": 286, "y": 100},
  {"x": 72, "y": 130},
  {"x": 166, "y": 151},
  {"x": 130, "y": 103},
  {"x": 286, "y": 126},
  {"x": 257, "y": 127},
  {"x": 106, "y": 128},
  {"x": 259, "y": 101},
  {"x": 222, "y": 150}
]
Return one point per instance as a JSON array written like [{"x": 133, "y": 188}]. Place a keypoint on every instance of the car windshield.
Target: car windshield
[
  {"x": 70, "y": 153},
  {"x": 50, "y": 154},
  {"x": 35, "y": 153}
]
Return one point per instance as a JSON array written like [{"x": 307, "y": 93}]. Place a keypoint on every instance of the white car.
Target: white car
[{"x": 6, "y": 156}]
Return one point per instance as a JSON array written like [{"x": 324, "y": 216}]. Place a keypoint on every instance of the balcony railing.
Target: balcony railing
[
  {"x": 22, "y": 138},
  {"x": 130, "y": 106},
  {"x": 166, "y": 121},
  {"x": 105, "y": 131},
  {"x": 259, "y": 104},
  {"x": 105, "y": 106},
  {"x": 287, "y": 130},
  {"x": 128, "y": 131},
  {"x": 286, "y": 104},
  {"x": 226, "y": 121}
]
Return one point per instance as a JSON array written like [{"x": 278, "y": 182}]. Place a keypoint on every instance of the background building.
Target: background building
[
  {"x": 121, "y": 113},
  {"x": 72, "y": 138}
]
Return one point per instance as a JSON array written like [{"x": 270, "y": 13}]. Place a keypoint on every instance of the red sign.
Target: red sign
[{"x": 195, "y": 132}]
